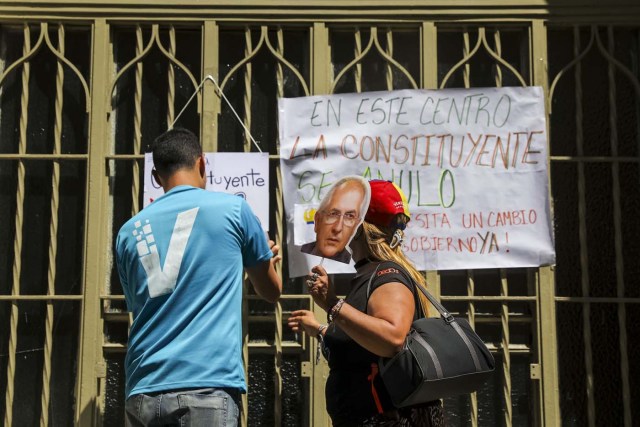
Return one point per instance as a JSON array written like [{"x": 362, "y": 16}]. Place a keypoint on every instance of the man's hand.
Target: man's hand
[
  {"x": 264, "y": 277},
  {"x": 275, "y": 249}
]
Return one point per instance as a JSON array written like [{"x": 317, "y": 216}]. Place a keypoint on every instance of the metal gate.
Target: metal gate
[{"x": 84, "y": 91}]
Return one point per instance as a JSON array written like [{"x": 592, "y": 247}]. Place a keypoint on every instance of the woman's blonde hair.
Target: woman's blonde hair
[{"x": 378, "y": 240}]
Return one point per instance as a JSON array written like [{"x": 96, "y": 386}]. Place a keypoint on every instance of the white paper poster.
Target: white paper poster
[
  {"x": 243, "y": 174},
  {"x": 472, "y": 162}
]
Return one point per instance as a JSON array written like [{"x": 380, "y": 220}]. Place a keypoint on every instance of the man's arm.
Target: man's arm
[{"x": 264, "y": 278}]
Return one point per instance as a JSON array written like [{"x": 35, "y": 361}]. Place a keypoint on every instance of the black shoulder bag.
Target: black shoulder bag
[{"x": 441, "y": 357}]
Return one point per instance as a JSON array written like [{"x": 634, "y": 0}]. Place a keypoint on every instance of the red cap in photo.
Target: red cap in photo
[{"x": 387, "y": 201}]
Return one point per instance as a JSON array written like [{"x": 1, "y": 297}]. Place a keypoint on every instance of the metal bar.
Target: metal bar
[
  {"x": 278, "y": 341},
  {"x": 479, "y": 318},
  {"x": 244, "y": 409},
  {"x": 429, "y": 80},
  {"x": 535, "y": 385},
  {"x": 321, "y": 82},
  {"x": 513, "y": 318},
  {"x": 596, "y": 159},
  {"x": 498, "y": 70},
  {"x": 137, "y": 123},
  {"x": 289, "y": 296},
  {"x": 592, "y": 300},
  {"x": 171, "y": 77},
  {"x": 286, "y": 345},
  {"x": 277, "y": 410},
  {"x": 483, "y": 298},
  {"x": 506, "y": 356},
  {"x": 19, "y": 220},
  {"x": 340, "y": 17},
  {"x": 53, "y": 234},
  {"x": 466, "y": 50},
  {"x": 357, "y": 69},
  {"x": 247, "y": 297},
  {"x": 52, "y": 157},
  {"x": 389, "y": 68},
  {"x": 346, "y": 11},
  {"x": 116, "y": 317},
  {"x": 124, "y": 157},
  {"x": 268, "y": 347},
  {"x": 429, "y": 55},
  {"x": 584, "y": 256},
  {"x": 96, "y": 259},
  {"x": 263, "y": 318},
  {"x": 466, "y": 76},
  {"x": 279, "y": 187},
  {"x": 257, "y": 347},
  {"x": 248, "y": 48},
  {"x": 544, "y": 279},
  {"x": 504, "y": 291},
  {"x": 40, "y": 297},
  {"x": 617, "y": 226},
  {"x": 513, "y": 348},
  {"x": 498, "y": 298},
  {"x": 248, "y": 78},
  {"x": 471, "y": 309},
  {"x": 321, "y": 59},
  {"x": 114, "y": 347},
  {"x": 210, "y": 100}
]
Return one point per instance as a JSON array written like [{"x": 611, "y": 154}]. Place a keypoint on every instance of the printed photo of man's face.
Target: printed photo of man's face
[{"x": 337, "y": 219}]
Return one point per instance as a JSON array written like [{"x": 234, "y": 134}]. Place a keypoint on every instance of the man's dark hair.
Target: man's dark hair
[{"x": 175, "y": 149}]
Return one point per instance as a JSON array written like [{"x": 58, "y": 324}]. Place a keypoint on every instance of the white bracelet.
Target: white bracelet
[
  {"x": 321, "y": 329},
  {"x": 335, "y": 310}
]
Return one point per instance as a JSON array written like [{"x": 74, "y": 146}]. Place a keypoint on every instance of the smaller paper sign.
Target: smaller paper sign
[
  {"x": 303, "y": 224},
  {"x": 242, "y": 174}
]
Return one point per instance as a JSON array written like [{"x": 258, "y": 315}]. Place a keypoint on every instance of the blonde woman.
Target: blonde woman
[{"x": 372, "y": 321}]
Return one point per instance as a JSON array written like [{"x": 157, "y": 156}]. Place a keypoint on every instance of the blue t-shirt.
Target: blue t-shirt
[{"x": 181, "y": 262}]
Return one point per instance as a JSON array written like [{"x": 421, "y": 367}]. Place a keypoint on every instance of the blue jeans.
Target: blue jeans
[{"x": 210, "y": 407}]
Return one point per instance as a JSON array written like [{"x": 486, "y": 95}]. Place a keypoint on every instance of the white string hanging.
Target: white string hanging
[{"x": 210, "y": 77}]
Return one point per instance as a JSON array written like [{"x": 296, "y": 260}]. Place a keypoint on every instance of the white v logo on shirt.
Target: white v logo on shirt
[{"x": 162, "y": 280}]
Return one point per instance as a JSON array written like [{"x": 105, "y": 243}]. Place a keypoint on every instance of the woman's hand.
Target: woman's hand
[
  {"x": 304, "y": 320},
  {"x": 320, "y": 288}
]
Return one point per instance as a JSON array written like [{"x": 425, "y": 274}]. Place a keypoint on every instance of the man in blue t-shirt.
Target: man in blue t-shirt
[{"x": 180, "y": 262}]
